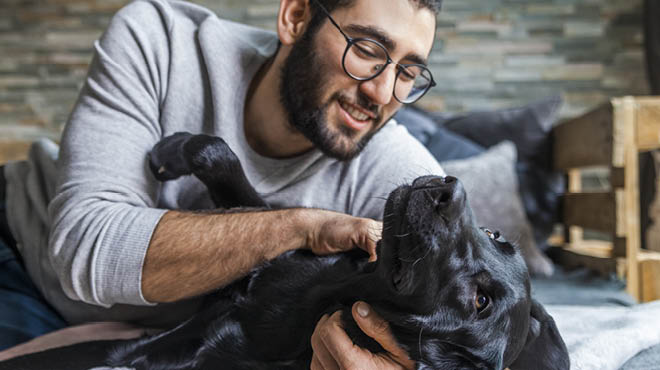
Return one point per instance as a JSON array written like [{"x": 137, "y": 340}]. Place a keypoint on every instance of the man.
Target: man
[{"x": 297, "y": 109}]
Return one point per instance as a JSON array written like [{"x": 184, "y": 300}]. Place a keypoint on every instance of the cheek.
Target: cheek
[
  {"x": 332, "y": 77},
  {"x": 390, "y": 109}
]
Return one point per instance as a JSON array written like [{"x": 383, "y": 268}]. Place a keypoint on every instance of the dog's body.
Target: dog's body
[{"x": 456, "y": 296}]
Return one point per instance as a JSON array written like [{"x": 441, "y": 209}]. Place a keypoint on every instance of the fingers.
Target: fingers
[
  {"x": 377, "y": 328},
  {"x": 374, "y": 232},
  {"x": 334, "y": 232},
  {"x": 366, "y": 234},
  {"x": 334, "y": 350},
  {"x": 315, "y": 364},
  {"x": 331, "y": 345}
]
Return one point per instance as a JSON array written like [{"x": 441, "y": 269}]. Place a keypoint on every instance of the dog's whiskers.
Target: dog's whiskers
[
  {"x": 379, "y": 197},
  {"x": 419, "y": 342},
  {"x": 427, "y": 194},
  {"x": 428, "y": 250},
  {"x": 396, "y": 185}
]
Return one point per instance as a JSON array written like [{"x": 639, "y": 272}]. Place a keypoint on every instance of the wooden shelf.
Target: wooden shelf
[
  {"x": 610, "y": 136},
  {"x": 11, "y": 150}
]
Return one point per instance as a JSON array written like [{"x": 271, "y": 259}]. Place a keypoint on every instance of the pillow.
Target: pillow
[
  {"x": 442, "y": 143},
  {"x": 528, "y": 127},
  {"x": 446, "y": 145},
  {"x": 492, "y": 188},
  {"x": 418, "y": 123}
]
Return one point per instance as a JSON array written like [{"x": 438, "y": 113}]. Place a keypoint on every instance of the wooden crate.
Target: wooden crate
[
  {"x": 11, "y": 150},
  {"x": 611, "y": 136}
]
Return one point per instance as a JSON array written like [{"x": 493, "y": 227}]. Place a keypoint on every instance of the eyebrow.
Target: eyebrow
[{"x": 380, "y": 36}]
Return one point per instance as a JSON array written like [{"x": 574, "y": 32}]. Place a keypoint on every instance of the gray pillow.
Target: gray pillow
[{"x": 491, "y": 184}]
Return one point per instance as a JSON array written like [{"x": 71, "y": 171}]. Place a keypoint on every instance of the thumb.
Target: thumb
[{"x": 377, "y": 328}]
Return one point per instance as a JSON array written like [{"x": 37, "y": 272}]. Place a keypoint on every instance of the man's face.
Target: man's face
[{"x": 335, "y": 112}]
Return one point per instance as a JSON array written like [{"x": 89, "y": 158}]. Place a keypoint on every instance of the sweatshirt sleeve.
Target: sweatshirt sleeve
[{"x": 103, "y": 214}]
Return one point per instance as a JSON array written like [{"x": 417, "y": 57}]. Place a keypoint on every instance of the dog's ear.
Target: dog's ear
[{"x": 544, "y": 348}]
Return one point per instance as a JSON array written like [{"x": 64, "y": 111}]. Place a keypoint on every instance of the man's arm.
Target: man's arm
[
  {"x": 104, "y": 210},
  {"x": 194, "y": 253}
]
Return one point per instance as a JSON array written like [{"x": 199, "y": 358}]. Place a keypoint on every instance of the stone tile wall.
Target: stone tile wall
[{"x": 488, "y": 54}]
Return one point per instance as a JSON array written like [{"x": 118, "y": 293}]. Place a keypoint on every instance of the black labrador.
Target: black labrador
[{"x": 456, "y": 296}]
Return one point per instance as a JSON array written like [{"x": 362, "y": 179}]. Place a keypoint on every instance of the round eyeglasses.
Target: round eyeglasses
[{"x": 365, "y": 59}]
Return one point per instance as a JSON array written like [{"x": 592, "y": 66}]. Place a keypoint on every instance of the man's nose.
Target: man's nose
[{"x": 381, "y": 88}]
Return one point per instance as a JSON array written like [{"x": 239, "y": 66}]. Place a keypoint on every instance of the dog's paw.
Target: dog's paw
[
  {"x": 167, "y": 159},
  {"x": 211, "y": 155}
]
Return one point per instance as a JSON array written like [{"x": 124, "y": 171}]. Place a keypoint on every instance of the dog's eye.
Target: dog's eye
[
  {"x": 481, "y": 300},
  {"x": 492, "y": 234}
]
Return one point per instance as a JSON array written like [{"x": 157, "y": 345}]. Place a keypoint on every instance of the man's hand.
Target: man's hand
[
  {"x": 337, "y": 232},
  {"x": 334, "y": 350}
]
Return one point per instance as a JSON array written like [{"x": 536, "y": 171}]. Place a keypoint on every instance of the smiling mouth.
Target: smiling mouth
[{"x": 357, "y": 113}]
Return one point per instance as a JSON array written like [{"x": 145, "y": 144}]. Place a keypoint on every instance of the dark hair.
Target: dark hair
[
  {"x": 330, "y": 5},
  {"x": 318, "y": 17}
]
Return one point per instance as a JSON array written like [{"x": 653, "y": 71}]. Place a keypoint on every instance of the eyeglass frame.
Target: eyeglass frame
[{"x": 350, "y": 41}]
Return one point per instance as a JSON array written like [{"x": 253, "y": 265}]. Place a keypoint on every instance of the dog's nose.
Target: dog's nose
[
  {"x": 447, "y": 193},
  {"x": 445, "y": 188}
]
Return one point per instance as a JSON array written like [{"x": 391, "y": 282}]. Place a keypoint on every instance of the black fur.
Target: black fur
[{"x": 433, "y": 263}]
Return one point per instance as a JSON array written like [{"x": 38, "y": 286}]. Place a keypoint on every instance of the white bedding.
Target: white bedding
[{"x": 604, "y": 338}]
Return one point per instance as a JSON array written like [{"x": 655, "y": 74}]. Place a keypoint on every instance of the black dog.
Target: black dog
[{"x": 456, "y": 296}]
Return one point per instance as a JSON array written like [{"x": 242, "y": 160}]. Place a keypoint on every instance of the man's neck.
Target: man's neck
[{"x": 266, "y": 125}]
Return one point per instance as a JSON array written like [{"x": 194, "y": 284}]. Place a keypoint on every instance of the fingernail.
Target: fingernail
[{"x": 363, "y": 309}]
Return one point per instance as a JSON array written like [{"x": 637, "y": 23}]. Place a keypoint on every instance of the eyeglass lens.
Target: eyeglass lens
[{"x": 364, "y": 59}]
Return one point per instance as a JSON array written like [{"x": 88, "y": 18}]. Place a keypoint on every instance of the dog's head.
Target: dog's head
[{"x": 459, "y": 294}]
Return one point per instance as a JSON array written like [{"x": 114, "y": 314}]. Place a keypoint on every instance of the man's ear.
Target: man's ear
[
  {"x": 544, "y": 348},
  {"x": 292, "y": 20}
]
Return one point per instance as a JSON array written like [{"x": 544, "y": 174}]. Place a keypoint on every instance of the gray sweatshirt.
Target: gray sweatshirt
[{"x": 84, "y": 222}]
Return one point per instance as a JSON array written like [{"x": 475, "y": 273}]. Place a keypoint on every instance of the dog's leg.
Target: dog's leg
[
  {"x": 176, "y": 349},
  {"x": 211, "y": 160}
]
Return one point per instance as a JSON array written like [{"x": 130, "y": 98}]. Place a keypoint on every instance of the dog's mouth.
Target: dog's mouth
[
  {"x": 396, "y": 230},
  {"x": 417, "y": 218}
]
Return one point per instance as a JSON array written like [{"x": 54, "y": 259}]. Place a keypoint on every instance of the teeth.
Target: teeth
[{"x": 354, "y": 112}]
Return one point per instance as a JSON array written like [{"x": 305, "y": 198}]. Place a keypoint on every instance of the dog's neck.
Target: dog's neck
[{"x": 350, "y": 281}]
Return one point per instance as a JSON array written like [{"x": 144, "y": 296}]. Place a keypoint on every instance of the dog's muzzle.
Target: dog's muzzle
[{"x": 446, "y": 194}]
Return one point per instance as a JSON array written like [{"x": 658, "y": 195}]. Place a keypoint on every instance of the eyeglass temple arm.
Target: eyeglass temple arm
[{"x": 348, "y": 39}]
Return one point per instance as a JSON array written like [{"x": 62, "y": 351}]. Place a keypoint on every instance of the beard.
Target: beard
[{"x": 301, "y": 89}]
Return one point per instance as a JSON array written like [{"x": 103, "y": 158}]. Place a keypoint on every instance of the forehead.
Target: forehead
[{"x": 411, "y": 27}]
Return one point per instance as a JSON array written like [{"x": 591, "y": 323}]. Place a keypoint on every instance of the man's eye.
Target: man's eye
[
  {"x": 365, "y": 52},
  {"x": 406, "y": 74}
]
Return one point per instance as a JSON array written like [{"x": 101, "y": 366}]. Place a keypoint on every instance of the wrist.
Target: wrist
[
  {"x": 296, "y": 232},
  {"x": 305, "y": 225},
  {"x": 309, "y": 221}
]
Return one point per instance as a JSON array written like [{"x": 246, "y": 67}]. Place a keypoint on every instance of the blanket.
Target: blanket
[
  {"x": 605, "y": 337},
  {"x": 598, "y": 337}
]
